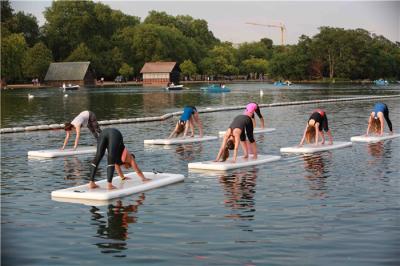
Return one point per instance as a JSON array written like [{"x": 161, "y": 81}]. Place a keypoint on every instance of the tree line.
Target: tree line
[{"x": 116, "y": 43}]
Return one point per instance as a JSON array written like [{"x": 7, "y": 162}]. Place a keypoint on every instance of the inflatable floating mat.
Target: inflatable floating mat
[
  {"x": 256, "y": 131},
  {"x": 310, "y": 148},
  {"x": 374, "y": 138},
  {"x": 227, "y": 165},
  {"x": 179, "y": 140},
  {"x": 59, "y": 153},
  {"x": 124, "y": 187}
]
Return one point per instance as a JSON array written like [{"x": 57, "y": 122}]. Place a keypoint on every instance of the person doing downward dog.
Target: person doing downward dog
[
  {"x": 85, "y": 118},
  {"x": 258, "y": 112},
  {"x": 189, "y": 117},
  {"x": 240, "y": 128},
  {"x": 375, "y": 121},
  {"x": 110, "y": 139},
  {"x": 317, "y": 123}
]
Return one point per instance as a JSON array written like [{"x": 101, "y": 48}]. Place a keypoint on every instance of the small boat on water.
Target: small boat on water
[
  {"x": 174, "y": 87},
  {"x": 215, "y": 88},
  {"x": 282, "y": 83},
  {"x": 69, "y": 87},
  {"x": 381, "y": 82}
]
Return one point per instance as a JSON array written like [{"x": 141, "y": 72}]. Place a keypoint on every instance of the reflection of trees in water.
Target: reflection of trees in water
[
  {"x": 187, "y": 152},
  {"x": 239, "y": 187},
  {"x": 315, "y": 165},
  {"x": 116, "y": 225}
]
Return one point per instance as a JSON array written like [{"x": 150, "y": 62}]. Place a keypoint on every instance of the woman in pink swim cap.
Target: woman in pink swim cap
[{"x": 254, "y": 108}]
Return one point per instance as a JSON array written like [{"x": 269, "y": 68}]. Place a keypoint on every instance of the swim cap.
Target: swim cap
[{"x": 251, "y": 107}]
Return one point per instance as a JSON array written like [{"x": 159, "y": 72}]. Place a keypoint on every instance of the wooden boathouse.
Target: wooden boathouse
[
  {"x": 77, "y": 73},
  {"x": 160, "y": 73}
]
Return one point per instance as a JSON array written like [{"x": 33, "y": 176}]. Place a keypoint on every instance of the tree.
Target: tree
[
  {"x": 254, "y": 65},
  {"x": 81, "y": 53},
  {"x": 27, "y": 24},
  {"x": 37, "y": 61},
  {"x": 13, "y": 48},
  {"x": 126, "y": 70},
  {"x": 188, "y": 68}
]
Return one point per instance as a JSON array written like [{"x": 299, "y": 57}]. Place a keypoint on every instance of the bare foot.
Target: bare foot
[
  {"x": 254, "y": 157},
  {"x": 110, "y": 187},
  {"x": 92, "y": 185},
  {"x": 125, "y": 178}
]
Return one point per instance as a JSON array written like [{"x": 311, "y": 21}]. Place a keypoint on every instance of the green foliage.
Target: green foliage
[
  {"x": 81, "y": 53},
  {"x": 113, "y": 42},
  {"x": 13, "y": 48},
  {"x": 254, "y": 65},
  {"x": 126, "y": 70},
  {"x": 188, "y": 68},
  {"x": 37, "y": 60}
]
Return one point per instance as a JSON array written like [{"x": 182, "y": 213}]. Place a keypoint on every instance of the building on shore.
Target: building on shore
[
  {"x": 160, "y": 73},
  {"x": 77, "y": 73}
]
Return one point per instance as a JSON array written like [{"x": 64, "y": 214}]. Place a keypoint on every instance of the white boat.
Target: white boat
[
  {"x": 174, "y": 87},
  {"x": 69, "y": 87}
]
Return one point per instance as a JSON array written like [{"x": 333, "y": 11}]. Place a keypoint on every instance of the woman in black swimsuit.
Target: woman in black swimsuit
[
  {"x": 240, "y": 128},
  {"x": 110, "y": 139},
  {"x": 316, "y": 125}
]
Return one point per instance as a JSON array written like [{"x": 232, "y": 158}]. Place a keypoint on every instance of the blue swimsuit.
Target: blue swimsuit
[
  {"x": 188, "y": 111},
  {"x": 381, "y": 107}
]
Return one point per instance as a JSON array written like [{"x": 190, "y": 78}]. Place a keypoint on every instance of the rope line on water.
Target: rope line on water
[{"x": 206, "y": 110}]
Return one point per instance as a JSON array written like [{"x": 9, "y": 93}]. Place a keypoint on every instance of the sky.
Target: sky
[{"x": 227, "y": 19}]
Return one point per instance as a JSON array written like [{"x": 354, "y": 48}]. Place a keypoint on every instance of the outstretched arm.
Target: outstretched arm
[
  {"x": 135, "y": 167},
  {"x": 380, "y": 115},
  {"x": 78, "y": 134},
  {"x": 316, "y": 125},
  {"x": 222, "y": 148},
  {"x": 369, "y": 125},
  {"x": 262, "y": 122},
  {"x": 235, "y": 151},
  {"x": 65, "y": 140},
  {"x": 174, "y": 131},
  {"x": 199, "y": 123},
  {"x": 304, "y": 136},
  {"x": 330, "y": 137}
]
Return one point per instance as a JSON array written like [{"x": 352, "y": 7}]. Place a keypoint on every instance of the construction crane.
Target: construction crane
[{"x": 280, "y": 25}]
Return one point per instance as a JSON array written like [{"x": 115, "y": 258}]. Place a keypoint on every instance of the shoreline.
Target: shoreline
[{"x": 136, "y": 83}]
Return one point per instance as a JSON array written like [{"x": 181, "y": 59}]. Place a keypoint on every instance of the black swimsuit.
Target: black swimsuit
[
  {"x": 321, "y": 119},
  {"x": 243, "y": 122},
  {"x": 110, "y": 139}
]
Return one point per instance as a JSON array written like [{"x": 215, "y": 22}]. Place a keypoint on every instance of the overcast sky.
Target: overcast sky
[{"x": 227, "y": 19}]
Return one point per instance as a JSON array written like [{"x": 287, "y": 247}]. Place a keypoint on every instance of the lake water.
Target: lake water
[{"x": 330, "y": 208}]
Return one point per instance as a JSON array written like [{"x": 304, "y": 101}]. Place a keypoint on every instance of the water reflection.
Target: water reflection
[
  {"x": 240, "y": 189},
  {"x": 73, "y": 168},
  {"x": 187, "y": 152},
  {"x": 317, "y": 172},
  {"x": 376, "y": 149},
  {"x": 116, "y": 226}
]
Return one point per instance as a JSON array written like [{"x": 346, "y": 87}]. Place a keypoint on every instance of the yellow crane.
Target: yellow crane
[{"x": 280, "y": 25}]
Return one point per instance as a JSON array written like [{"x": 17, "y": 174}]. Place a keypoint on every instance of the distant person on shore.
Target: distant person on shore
[
  {"x": 240, "y": 129},
  {"x": 258, "y": 112},
  {"x": 316, "y": 125},
  {"x": 375, "y": 121},
  {"x": 111, "y": 139},
  {"x": 85, "y": 118},
  {"x": 187, "y": 120}
]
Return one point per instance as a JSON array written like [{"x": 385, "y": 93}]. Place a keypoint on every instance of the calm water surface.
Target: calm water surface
[{"x": 331, "y": 208}]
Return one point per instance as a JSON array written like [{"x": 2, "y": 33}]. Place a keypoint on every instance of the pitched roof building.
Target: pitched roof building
[
  {"x": 79, "y": 73},
  {"x": 160, "y": 73}
]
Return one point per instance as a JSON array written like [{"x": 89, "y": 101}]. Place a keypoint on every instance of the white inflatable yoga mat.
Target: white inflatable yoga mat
[
  {"x": 310, "y": 148},
  {"x": 227, "y": 165},
  {"x": 179, "y": 140},
  {"x": 66, "y": 152},
  {"x": 124, "y": 187},
  {"x": 256, "y": 131},
  {"x": 374, "y": 138}
]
